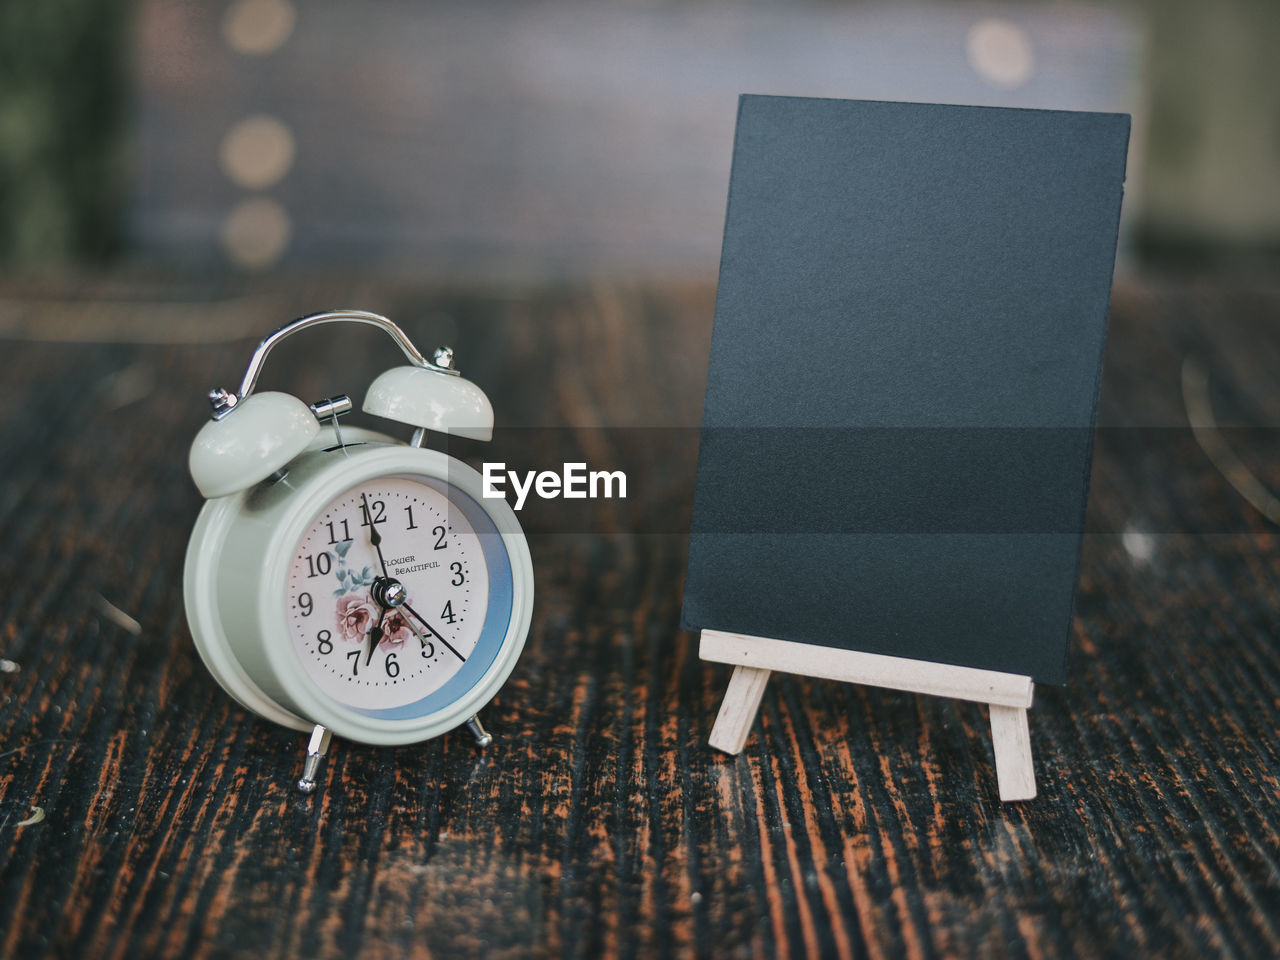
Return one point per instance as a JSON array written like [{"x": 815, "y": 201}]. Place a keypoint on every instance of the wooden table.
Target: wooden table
[{"x": 858, "y": 822}]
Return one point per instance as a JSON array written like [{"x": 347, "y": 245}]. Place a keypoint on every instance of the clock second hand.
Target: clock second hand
[
  {"x": 375, "y": 538},
  {"x": 436, "y": 633}
]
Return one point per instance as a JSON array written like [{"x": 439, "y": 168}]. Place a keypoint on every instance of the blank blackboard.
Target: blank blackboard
[{"x": 904, "y": 371}]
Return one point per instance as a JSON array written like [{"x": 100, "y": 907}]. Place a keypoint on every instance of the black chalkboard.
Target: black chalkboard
[{"x": 904, "y": 371}]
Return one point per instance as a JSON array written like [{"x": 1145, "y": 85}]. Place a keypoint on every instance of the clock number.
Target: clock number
[
  {"x": 354, "y": 657},
  {"x": 392, "y": 668},
  {"x": 319, "y": 565},
  {"x": 459, "y": 578},
  {"x": 438, "y": 533},
  {"x": 346, "y": 533},
  {"x": 379, "y": 510},
  {"x": 305, "y": 604},
  {"x": 325, "y": 642},
  {"x": 412, "y": 525},
  {"x": 428, "y": 650},
  {"x": 447, "y": 613}
]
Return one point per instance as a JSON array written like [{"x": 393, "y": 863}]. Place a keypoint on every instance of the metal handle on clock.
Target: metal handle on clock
[{"x": 223, "y": 401}]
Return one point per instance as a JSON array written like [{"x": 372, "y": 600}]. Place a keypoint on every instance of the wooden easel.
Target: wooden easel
[{"x": 753, "y": 658}]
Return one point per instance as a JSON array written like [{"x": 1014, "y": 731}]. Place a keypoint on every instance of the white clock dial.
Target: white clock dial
[{"x": 387, "y": 594}]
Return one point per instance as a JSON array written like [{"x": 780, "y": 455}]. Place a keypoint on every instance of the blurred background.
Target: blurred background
[{"x": 554, "y": 139}]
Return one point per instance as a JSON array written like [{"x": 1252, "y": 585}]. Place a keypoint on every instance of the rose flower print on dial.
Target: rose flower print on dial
[
  {"x": 358, "y": 614},
  {"x": 387, "y": 594}
]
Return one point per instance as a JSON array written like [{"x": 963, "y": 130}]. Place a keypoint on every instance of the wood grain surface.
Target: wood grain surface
[{"x": 857, "y": 823}]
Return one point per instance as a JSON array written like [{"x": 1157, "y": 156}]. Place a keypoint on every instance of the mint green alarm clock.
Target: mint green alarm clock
[{"x": 344, "y": 582}]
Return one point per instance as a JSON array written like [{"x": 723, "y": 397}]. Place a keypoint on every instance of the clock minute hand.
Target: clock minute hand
[
  {"x": 436, "y": 633},
  {"x": 375, "y": 537}
]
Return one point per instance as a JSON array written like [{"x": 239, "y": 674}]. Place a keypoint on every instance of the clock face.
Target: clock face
[{"x": 398, "y": 596}]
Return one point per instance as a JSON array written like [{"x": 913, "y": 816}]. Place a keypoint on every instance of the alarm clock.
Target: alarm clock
[{"x": 344, "y": 582}]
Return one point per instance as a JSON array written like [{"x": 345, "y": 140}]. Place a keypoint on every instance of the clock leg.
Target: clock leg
[
  {"x": 317, "y": 747},
  {"x": 483, "y": 737}
]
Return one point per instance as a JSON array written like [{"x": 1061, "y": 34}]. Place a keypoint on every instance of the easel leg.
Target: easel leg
[
  {"x": 739, "y": 708},
  {"x": 1012, "y": 742}
]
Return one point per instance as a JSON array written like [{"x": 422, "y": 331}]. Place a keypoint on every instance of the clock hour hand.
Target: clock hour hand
[
  {"x": 375, "y": 636},
  {"x": 434, "y": 632}
]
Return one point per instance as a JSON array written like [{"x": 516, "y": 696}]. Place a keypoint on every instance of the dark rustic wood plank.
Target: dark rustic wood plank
[{"x": 858, "y": 822}]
